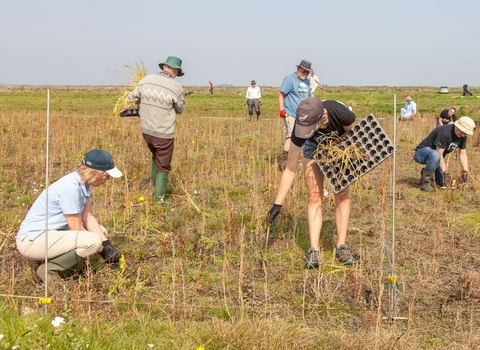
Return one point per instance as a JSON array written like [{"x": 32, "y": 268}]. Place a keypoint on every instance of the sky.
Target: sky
[{"x": 349, "y": 42}]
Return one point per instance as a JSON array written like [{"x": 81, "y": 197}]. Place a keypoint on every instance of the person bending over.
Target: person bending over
[{"x": 316, "y": 123}]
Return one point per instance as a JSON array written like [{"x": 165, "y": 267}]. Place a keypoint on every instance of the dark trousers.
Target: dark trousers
[
  {"x": 162, "y": 151},
  {"x": 253, "y": 105}
]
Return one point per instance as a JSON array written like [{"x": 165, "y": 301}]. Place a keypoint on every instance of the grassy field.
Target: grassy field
[{"x": 197, "y": 275}]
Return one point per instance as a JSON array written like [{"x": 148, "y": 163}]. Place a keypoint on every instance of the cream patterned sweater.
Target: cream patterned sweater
[{"x": 161, "y": 99}]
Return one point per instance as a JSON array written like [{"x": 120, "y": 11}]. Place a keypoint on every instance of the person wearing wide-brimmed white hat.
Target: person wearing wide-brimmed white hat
[{"x": 433, "y": 149}]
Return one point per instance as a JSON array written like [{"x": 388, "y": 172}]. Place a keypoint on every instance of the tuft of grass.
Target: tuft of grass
[{"x": 135, "y": 73}]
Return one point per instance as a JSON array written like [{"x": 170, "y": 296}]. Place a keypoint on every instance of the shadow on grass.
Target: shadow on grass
[
  {"x": 327, "y": 236},
  {"x": 409, "y": 181}
]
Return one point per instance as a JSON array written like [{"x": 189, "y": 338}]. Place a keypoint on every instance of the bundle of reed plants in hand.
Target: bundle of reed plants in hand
[{"x": 135, "y": 72}]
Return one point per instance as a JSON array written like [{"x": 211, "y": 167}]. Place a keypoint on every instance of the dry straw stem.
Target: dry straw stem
[
  {"x": 135, "y": 72},
  {"x": 333, "y": 151}
]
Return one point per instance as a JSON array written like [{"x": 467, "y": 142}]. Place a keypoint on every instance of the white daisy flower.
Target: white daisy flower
[{"x": 57, "y": 321}]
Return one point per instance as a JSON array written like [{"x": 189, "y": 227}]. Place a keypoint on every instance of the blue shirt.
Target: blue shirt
[
  {"x": 68, "y": 195},
  {"x": 411, "y": 107},
  {"x": 295, "y": 91}
]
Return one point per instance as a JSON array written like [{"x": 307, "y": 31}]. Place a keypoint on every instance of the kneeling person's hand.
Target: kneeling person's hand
[{"x": 109, "y": 253}]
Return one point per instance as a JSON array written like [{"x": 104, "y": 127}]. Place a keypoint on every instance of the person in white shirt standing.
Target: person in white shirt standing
[
  {"x": 314, "y": 83},
  {"x": 253, "y": 98}
]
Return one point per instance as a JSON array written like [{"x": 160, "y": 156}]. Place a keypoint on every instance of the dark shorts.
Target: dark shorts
[
  {"x": 162, "y": 151},
  {"x": 309, "y": 149}
]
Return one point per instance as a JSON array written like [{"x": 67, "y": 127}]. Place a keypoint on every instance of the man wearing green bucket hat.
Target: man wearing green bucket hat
[{"x": 161, "y": 99}]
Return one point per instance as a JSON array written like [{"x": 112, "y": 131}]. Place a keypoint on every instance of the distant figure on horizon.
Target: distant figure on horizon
[
  {"x": 253, "y": 99},
  {"x": 447, "y": 116},
  {"x": 211, "y": 87},
  {"x": 466, "y": 92},
  {"x": 314, "y": 83},
  {"x": 409, "y": 111}
]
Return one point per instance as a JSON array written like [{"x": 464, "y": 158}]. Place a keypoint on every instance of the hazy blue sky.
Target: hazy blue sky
[{"x": 349, "y": 42}]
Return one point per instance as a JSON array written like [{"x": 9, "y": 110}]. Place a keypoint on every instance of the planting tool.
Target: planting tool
[
  {"x": 269, "y": 239},
  {"x": 130, "y": 112}
]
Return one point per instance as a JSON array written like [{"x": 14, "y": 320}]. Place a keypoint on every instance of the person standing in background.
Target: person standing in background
[
  {"x": 211, "y": 87},
  {"x": 161, "y": 99},
  {"x": 253, "y": 99},
  {"x": 295, "y": 88},
  {"x": 314, "y": 83}
]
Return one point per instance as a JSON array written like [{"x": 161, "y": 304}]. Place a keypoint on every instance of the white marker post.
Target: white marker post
[{"x": 46, "y": 196}]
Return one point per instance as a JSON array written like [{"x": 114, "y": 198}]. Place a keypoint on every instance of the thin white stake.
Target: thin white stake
[
  {"x": 393, "y": 194},
  {"x": 47, "y": 139}
]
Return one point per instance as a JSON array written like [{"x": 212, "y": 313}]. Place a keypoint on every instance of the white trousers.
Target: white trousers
[{"x": 405, "y": 114}]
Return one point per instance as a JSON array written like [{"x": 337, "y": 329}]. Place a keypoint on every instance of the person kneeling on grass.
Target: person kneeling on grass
[
  {"x": 73, "y": 232},
  {"x": 316, "y": 122},
  {"x": 441, "y": 141},
  {"x": 447, "y": 116}
]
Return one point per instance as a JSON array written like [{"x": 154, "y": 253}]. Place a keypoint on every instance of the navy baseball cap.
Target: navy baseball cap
[{"x": 99, "y": 159}]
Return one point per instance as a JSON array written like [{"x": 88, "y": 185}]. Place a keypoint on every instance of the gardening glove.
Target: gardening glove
[
  {"x": 260, "y": 103},
  {"x": 283, "y": 114},
  {"x": 130, "y": 112},
  {"x": 273, "y": 213},
  {"x": 447, "y": 179},
  {"x": 109, "y": 253},
  {"x": 465, "y": 176}
]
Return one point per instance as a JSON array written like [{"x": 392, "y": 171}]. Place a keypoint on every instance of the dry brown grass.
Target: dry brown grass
[{"x": 194, "y": 270}]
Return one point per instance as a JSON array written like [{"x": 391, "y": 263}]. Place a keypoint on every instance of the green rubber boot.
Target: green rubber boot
[
  {"x": 59, "y": 263},
  {"x": 161, "y": 181},
  {"x": 426, "y": 181}
]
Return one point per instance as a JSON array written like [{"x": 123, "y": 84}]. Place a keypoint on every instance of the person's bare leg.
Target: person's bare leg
[
  {"x": 286, "y": 146},
  {"x": 314, "y": 180},
  {"x": 342, "y": 214}
]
